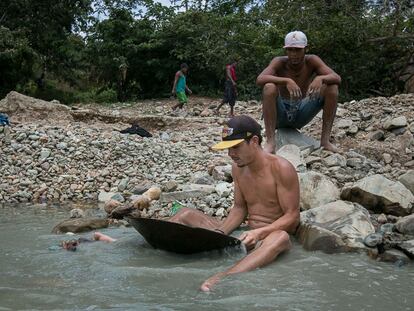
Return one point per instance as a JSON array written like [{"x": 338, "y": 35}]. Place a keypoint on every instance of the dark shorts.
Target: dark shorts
[
  {"x": 297, "y": 113},
  {"x": 229, "y": 93}
]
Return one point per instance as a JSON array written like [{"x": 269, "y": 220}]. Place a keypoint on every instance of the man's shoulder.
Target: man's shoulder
[
  {"x": 280, "y": 166},
  {"x": 279, "y": 59}
]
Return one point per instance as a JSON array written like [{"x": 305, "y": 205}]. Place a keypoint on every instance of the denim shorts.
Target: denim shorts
[{"x": 297, "y": 113}]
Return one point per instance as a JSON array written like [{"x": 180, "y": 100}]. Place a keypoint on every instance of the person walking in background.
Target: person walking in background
[
  {"x": 180, "y": 86},
  {"x": 230, "y": 88}
]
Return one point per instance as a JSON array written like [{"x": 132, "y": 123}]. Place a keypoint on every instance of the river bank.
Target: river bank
[{"x": 54, "y": 153}]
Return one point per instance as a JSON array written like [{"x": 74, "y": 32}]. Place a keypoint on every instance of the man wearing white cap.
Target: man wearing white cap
[
  {"x": 266, "y": 193},
  {"x": 295, "y": 88}
]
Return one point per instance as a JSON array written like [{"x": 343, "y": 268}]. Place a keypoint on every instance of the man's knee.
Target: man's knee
[
  {"x": 331, "y": 91},
  {"x": 277, "y": 241},
  {"x": 184, "y": 213},
  {"x": 270, "y": 89}
]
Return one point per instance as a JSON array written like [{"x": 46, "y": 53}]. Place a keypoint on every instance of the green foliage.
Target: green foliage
[{"x": 103, "y": 51}]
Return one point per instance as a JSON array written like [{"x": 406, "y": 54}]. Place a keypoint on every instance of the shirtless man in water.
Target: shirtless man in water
[
  {"x": 295, "y": 88},
  {"x": 266, "y": 192}
]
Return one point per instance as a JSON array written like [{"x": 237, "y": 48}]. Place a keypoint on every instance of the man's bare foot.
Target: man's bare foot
[
  {"x": 330, "y": 147},
  {"x": 210, "y": 282},
  {"x": 270, "y": 146},
  {"x": 102, "y": 237}
]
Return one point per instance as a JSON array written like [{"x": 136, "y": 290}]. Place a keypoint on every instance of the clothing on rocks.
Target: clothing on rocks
[
  {"x": 136, "y": 129},
  {"x": 4, "y": 120}
]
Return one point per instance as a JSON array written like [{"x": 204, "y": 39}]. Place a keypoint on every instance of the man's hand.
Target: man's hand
[
  {"x": 249, "y": 238},
  {"x": 294, "y": 90},
  {"x": 173, "y": 92},
  {"x": 314, "y": 89},
  {"x": 190, "y": 92}
]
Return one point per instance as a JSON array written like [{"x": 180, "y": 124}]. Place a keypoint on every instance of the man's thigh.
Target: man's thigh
[{"x": 297, "y": 114}]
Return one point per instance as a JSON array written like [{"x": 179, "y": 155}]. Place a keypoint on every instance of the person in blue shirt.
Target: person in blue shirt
[{"x": 180, "y": 86}]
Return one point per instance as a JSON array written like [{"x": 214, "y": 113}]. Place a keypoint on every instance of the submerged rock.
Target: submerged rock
[{"x": 78, "y": 225}]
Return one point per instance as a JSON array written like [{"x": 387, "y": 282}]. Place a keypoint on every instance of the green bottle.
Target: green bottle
[{"x": 175, "y": 208}]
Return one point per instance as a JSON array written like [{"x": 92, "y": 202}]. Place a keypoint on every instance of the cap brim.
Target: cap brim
[
  {"x": 295, "y": 46},
  {"x": 225, "y": 144}
]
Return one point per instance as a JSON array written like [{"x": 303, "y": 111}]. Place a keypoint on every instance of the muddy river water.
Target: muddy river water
[{"x": 131, "y": 275}]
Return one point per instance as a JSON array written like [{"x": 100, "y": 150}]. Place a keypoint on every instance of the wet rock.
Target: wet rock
[
  {"x": 380, "y": 194},
  {"x": 316, "y": 190},
  {"x": 408, "y": 248},
  {"x": 407, "y": 180},
  {"x": 335, "y": 227},
  {"x": 394, "y": 256},
  {"x": 406, "y": 225},
  {"x": 77, "y": 213},
  {"x": 293, "y": 155},
  {"x": 123, "y": 211},
  {"x": 386, "y": 228},
  {"x": 78, "y": 225},
  {"x": 373, "y": 239}
]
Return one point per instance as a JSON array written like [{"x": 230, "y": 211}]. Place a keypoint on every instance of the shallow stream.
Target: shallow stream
[{"x": 131, "y": 275}]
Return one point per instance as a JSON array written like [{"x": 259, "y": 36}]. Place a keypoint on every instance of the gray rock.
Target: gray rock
[
  {"x": 106, "y": 196},
  {"x": 334, "y": 160},
  {"x": 202, "y": 179},
  {"x": 316, "y": 190},
  {"x": 222, "y": 173},
  {"x": 123, "y": 184},
  {"x": 293, "y": 155},
  {"x": 408, "y": 248},
  {"x": 344, "y": 123},
  {"x": 170, "y": 186},
  {"x": 77, "y": 213},
  {"x": 289, "y": 136},
  {"x": 373, "y": 239},
  {"x": 406, "y": 225},
  {"x": 77, "y": 225},
  {"x": 188, "y": 191},
  {"x": 223, "y": 189},
  {"x": 380, "y": 194},
  {"x": 395, "y": 123},
  {"x": 407, "y": 180},
  {"x": 335, "y": 227},
  {"x": 376, "y": 135}
]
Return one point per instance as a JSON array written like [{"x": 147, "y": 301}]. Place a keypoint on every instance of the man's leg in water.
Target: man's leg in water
[
  {"x": 270, "y": 94},
  {"x": 330, "y": 94},
  {"x": 195, "y": 218},
  {"x": 97, "y": 236},
  {"x": 274, "y": 244}
]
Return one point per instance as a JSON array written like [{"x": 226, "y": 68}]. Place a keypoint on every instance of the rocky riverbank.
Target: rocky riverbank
[{"x": 56, "y": 153}]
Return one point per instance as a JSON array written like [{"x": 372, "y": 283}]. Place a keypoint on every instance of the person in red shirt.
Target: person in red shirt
[{"x": 230, "y": 88}]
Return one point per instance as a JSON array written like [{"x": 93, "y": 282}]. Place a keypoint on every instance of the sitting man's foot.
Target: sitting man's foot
[
  {"x": 270, "y": 147},
  {"x": 210, "y": 282},
  {"x": 102, "y": 237},
  {"x": 330, "y": 147}
]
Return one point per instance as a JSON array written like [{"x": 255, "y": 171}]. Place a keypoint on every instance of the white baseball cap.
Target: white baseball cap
[{"x": 295, "y": 39}]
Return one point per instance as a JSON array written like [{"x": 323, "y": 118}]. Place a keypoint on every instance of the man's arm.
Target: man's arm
[
  {"x": 188, "y": 90},
  {"x": 324, "y": 72},
  {"x": 239, "y": 211},
  {"x": 268, "y": 75}
]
